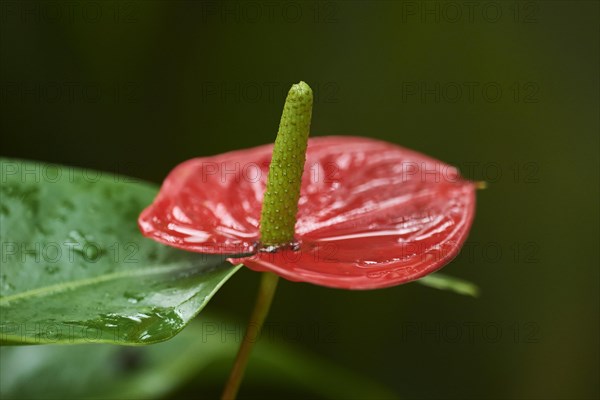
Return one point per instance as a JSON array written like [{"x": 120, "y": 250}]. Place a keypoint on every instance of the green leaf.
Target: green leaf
[
  {"x": 199, "y": 356},
  {"x": 445, "y": 282},
  {"x": 75, "y": 268},
  {"x": 106, "y": 371}
]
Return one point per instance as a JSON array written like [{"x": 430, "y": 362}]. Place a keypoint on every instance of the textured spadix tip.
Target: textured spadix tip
[{"x": 302, "y": 90}]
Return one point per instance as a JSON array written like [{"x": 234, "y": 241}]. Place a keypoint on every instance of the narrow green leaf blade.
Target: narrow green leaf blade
[
  {"x": 446, "y": 282},
  {"x": 75, "y": 268}
]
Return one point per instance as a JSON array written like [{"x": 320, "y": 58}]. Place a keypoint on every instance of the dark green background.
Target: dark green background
[{"x": 136, "y": 87}]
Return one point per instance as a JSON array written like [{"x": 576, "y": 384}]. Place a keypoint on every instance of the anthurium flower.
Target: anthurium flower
[{"x": 370, "y": 214}]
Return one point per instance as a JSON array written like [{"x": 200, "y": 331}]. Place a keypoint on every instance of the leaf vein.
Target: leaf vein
[{"x": 63, "y": 287}]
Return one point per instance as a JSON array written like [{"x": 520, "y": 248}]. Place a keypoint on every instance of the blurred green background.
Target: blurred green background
[{"x": 507, "y": 91}]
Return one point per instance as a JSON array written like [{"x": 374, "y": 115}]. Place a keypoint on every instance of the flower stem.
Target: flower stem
[
  {"x": 280, "y": 204},
  {"x": 268, "y": 284}
]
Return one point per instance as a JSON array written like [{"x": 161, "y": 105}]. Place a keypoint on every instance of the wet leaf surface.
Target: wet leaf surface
[{"x": 75, "y": 268}]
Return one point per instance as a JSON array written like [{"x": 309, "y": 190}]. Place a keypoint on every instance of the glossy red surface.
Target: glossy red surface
[{"x": 371, "y": 214}]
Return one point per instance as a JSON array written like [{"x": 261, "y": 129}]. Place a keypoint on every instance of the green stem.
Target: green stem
[
  {"x": 268, "y": 284},
  {"x": 280, "y": 204}
]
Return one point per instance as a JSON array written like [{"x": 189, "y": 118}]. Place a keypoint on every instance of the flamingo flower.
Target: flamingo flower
[{"x": 369, "y": 214}]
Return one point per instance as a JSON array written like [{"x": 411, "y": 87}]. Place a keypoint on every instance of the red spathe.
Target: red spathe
[{"x": 371, "y": 214}]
